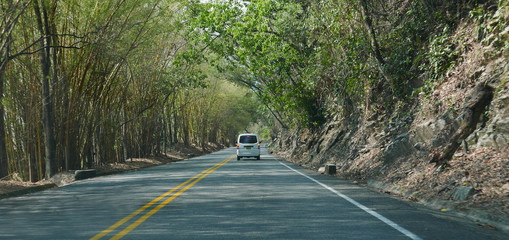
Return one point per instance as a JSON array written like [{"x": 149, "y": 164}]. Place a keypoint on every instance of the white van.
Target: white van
[{"x": 248, "y": 145}]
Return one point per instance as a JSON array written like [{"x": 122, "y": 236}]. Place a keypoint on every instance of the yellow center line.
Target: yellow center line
[
  {"x": 124, "y": 220},
  {"x": 147, "y": 215}
]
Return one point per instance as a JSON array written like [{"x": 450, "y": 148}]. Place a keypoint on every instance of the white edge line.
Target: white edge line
[{"x": 357, "y": 204}]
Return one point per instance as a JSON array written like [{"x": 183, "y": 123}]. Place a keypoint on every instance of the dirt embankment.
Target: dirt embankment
[{"x": 449, "y": 147}]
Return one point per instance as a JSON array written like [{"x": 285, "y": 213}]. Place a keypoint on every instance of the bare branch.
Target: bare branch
[{"x": 26, "y": 52}]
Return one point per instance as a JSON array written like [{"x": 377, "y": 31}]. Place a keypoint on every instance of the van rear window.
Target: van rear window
[{"x": 248, "y": 139}]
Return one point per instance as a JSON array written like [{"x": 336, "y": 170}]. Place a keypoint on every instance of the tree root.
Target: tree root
[{"x": 474, "y": 107}]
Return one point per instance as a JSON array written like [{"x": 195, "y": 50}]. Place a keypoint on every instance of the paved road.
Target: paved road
[{"x": 218, "y": 197}]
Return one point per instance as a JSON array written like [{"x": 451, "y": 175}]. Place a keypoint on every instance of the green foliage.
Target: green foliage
[
  {"x": 479, "y": 15},
  {"x": 123, "y": 85},
  {"x": 403, "y": 45},
  {"x": 234, "y": 109},
  {"x": 312, "y": 60},
  {"x": 441, "y": 56},
  {"x": 130, "y": 78},
  {"x": 270, "y": 41}
]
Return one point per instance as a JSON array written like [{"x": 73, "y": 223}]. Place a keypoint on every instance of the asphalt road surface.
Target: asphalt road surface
[{"x": 218, "y": 197}]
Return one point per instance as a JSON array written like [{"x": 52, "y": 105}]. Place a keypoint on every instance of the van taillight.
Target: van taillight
[
  {"x": 237, "y": 146},
  {"x": 258, "y": 145}
]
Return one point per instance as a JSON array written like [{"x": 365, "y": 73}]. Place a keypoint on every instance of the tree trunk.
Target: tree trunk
[
  {"x": 4, "y": 60},
  {"x": 372, "y": 33},
  {"x": 125, "y": 138},
  {"x": 4, "y": 166},
  {"x": 175, "y": 123},
  {"x": 48, "y": 129},
  {"x": 185, "y": 129},
  {"x": 368, "y": 20},
  {"x": 467, "y": 121}
]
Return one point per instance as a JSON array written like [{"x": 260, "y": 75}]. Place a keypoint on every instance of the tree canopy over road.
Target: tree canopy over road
[
  {"x": 93, "y": 82},
  {"x": 90, "y": 82}
]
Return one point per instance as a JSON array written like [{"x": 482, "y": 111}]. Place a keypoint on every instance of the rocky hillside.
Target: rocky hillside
[{"x": 450, "y": 145}]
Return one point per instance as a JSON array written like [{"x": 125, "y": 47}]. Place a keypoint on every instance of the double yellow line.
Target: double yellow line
[{"x": 140, "y": 220}]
